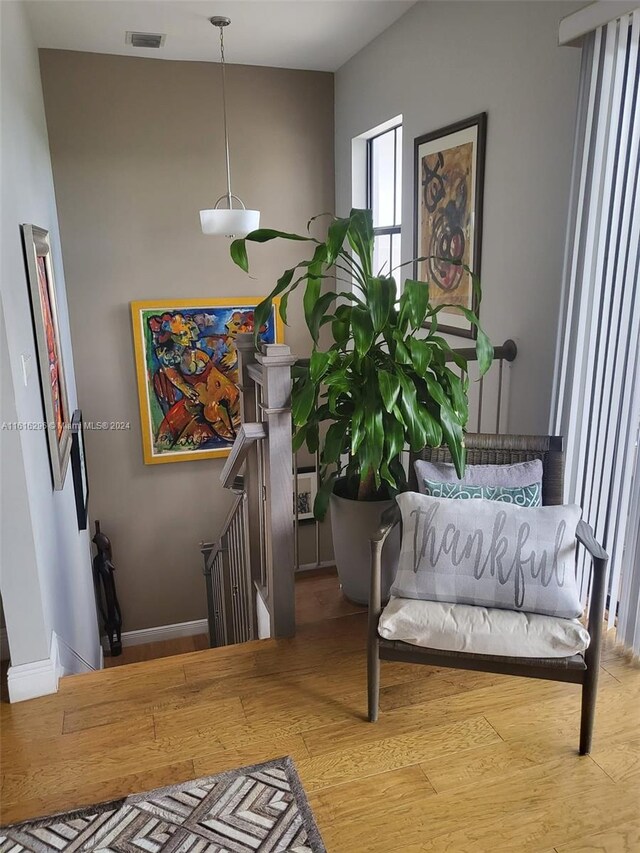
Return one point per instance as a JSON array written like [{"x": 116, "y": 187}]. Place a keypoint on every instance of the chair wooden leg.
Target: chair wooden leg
[
  {"x": 587, "y": 716},
  {"x": 373, "y": 680}
]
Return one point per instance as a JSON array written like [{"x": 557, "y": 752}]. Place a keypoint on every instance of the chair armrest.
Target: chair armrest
[
  {"x": 586, "y": 537},
  {"x": 600, "y": 559},
  {"x": 388, "y": 520},
  {"x": 390, "y": 517}
]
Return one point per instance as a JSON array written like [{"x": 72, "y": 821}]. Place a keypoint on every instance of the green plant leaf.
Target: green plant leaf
[
  {"x": 313, "y": 437},
  {"x": 360, "y": 236},
  {"x": 417, "y": 301},
  {"x": 451, "y": 426},
  {"x": 386, "y": 474},
  {"x": 302, "y": 399},
  {"x": 337, "y": 379},
  {"x": 318, "y": 364},
  {"x": 299, "y": 437},
  {"x": 238, "y": 249},
  {"x": 397, "y": 469},
  {"x": 334, "y": 443},
  {"x": 321, "y": 503},
  {"x": 409, "y": 407},
  {"x": 340, "y": 326},
  {"x": 389, "y": 388},
  {"x": 357, "y": 431},
  {"x": 318, "y": 313},
  {"x": 260, "y": 317},
  {"x": 432, "y": 429},
  {"x": 484, "y": 349},
  {"x": 282, "y": 308},
  {"x": 372, "y": 448},
  {"x": 336, "y": 236},
  {"x": 362, "y": 330},
  {"x": 457, "y": 393},
  {"x": 400, "y": 350},
  {"x": 393, "y": 437},
  {"x": 420, "y": 355},
  {"x": 381, "y": 298}
]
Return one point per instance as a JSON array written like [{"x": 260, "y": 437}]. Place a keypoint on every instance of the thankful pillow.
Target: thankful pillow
[{"x": 489, "y": 554}]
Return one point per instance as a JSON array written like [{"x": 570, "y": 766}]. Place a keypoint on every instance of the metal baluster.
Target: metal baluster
[
  {"x": 242, "y": 605},
  {"x": 317, "y": 523},
  {"x": 233, "y": 592},
  {"x": 219, "y": 599},
  {"x": 261, "y": 487},
  {"x": 499, "y": 411},
  {"x": 236, "y": 591},
  {"x": 480, "y": 392},
  {"x": 296, "y": 525},
  {"x": 241, "y": 575},
  {"x": 248, "y": 580}
]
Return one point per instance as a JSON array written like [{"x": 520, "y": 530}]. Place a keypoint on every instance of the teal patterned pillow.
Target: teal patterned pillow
[{"x": 520, "y": 495}]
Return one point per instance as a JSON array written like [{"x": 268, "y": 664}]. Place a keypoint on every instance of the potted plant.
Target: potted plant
[{"x": 381, "y": 384}]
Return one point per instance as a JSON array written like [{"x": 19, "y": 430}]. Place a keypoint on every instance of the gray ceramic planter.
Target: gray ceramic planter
[{"x": 352, "y": 525}]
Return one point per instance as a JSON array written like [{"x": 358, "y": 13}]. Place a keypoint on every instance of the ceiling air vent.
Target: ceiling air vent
[{"x": 145, "y": 39}]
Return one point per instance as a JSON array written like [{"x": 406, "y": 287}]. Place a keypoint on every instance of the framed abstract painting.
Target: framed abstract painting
[
  {"x": 79, "y": 469},
  {"x": 449, "y": 179},
  {"x": 187, "y": 367},
  {"x": 44, "y": 310}
]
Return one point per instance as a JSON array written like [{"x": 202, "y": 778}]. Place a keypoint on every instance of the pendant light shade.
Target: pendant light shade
[{"x": 227, "y": 221}]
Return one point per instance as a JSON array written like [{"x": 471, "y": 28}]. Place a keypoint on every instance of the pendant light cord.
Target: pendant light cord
[{"x": 224, "y": 119}]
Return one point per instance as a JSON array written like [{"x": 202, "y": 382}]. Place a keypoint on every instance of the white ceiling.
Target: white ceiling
[{"x": 314, "y": 34}]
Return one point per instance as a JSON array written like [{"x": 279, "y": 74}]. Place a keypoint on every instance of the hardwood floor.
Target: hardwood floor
[
  {"x": 318, "y": 596},
  {"x": 457, "y": 762},
  {"x": 160, "y": 649}
]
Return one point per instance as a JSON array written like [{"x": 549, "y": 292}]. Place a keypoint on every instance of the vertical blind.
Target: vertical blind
[{"x": 597, "y": 377}]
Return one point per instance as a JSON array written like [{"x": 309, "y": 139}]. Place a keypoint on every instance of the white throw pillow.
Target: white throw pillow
[{"x": 489, "y": 554}]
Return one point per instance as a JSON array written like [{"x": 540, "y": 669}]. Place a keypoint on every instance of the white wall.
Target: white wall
[
  {"x": 46, "y": 576},
  {"x": 443, "y": 62}
]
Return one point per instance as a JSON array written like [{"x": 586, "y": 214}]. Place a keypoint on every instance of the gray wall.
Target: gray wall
[
  {"x": 136, "y": 146},
  {"x": 46, "y": 567},
  {"x": 442, "y": 62}
]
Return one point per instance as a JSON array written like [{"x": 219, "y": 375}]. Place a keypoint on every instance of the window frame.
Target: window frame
[{"x": 396, "y": 228}]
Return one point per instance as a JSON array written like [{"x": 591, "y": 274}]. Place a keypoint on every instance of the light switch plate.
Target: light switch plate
[{"x": 27, "y": 366}]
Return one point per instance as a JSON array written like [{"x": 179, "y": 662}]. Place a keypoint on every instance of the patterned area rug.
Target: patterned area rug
[{"x": 261, "y": 808}]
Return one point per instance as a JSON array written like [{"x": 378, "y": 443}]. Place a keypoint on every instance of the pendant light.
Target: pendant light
[{"x": 227, "y": 221}]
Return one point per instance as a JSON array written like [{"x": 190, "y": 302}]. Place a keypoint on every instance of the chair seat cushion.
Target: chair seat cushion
[{"x": 481, "y": 630}]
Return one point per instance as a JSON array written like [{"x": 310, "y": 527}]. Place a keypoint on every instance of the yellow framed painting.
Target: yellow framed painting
[{"x": 187, "y": 368}]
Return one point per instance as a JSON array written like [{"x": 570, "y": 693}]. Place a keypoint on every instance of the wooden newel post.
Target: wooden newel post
[{"x": 276, "y": 361}]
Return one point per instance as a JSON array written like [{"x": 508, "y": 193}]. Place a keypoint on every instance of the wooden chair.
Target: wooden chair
[{"x": 582, "y": 668}]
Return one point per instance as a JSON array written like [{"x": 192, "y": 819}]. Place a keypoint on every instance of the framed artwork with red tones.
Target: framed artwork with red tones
[
  {"x": 44, "y": 309},
  {"x": 187, "y": 367},
  {"x": 449, "y": 179}
]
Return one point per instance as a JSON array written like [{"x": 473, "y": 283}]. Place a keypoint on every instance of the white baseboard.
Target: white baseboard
[
  {"x": 161, "y": 632},
  {"x": 4, "y": 645},
  {"x": 70, "y": 662},
  {"x": 263, "y": 617},
  {"x": 311, "y": 567},
  {"x": 39, "y": 678}
]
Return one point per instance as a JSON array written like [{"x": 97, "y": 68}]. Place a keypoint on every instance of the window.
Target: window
[{"x": 384, "y": 196}]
